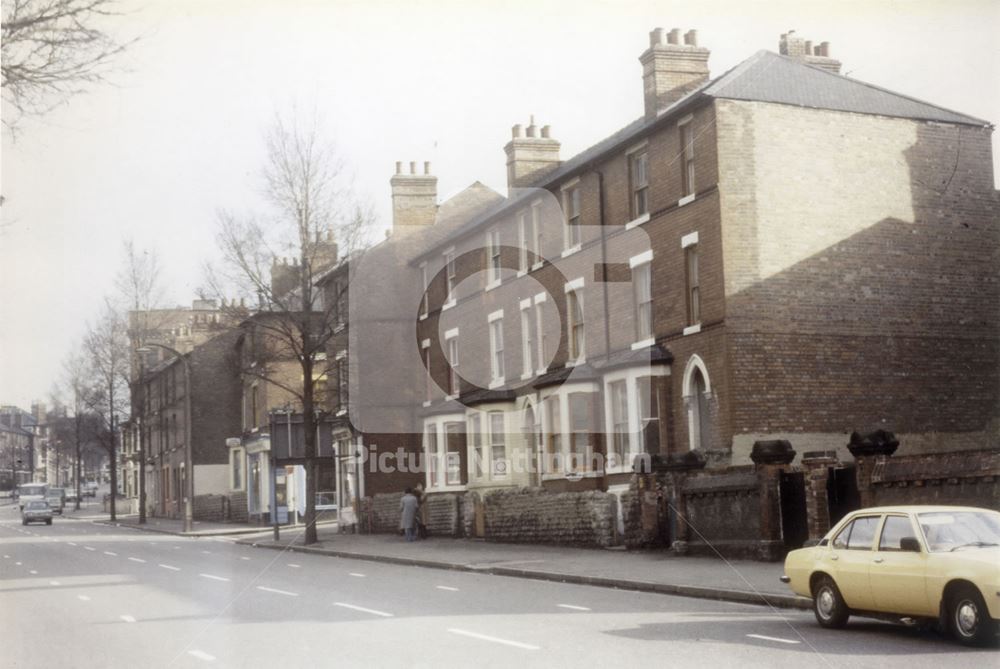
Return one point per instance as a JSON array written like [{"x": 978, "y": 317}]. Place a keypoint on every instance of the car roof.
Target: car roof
[{"x": 917, "y": 508}]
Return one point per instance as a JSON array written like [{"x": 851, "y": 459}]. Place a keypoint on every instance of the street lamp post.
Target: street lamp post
[{"x": 188, "y": 467}]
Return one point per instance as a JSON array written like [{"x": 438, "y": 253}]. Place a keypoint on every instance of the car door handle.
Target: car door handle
[{"x": 879, "y": 560}]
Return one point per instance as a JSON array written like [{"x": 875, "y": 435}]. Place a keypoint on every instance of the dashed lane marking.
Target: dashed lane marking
[
  {"x": 362, "y": 609},
  {"x": 54, "y": 583},
  {"x": 294, "y": 566},
  {"x": 32, "y": 571},
  {"x": 111, "y": 554},
  {"x": 201, "y": 655},
  {"x": 135, "y": 559},
  {"x": 167, "y": 566},
  {"x": 356, "y": 575},
  {"x": 207, "y": 552},
  {"x": 127, "y": 618},
  {"x": 772, "y": 638},
  {"x": 90, "y": 548},
  {"x": 572, "y": 607},
  {"x": 72, "y": 543},
  {"x": 244, "y": 557},
  {"x": 494, "y": 639},
  {"x": 83, "y": 598},
  {"x": 446, "y": 587},
  {"x": 214, "y": 578},
  {"x": 277, "y": 592}
]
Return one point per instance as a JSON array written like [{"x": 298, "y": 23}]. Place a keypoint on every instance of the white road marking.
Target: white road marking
[
  {"x": 572, "y": 607},
  {"x": 6, "y": 557},
  {"x": 177, "y": 548},
  {"x": 356, "y": 575},
  {"x": 111, "y": 554},
  {"x": 294, "y": 566},
  {"x": 32, "y": 571},
  {"x": 207, "y": 552},
  {"x": 214, "y": 578},
  {"x": 128, "y": 619},
  {"x": 72, "y": 543},
  {"x": 446, "y": 587},
  {"x": 17, "y": 564},
  {"x": 201, "y": 655},
  {"x": 484, "y": 637},
  {"x": 166, "y": 566},
  {"x": 90, "y": 548},
  {"x": 135, "y": 559},
  {"x": 771, "y": 638},
  {"x": 277, "y": 592},
  {"x": 244, "y": 558},
  {"x": 83, "y": 598},
  {"x": 54, "y": 583},
  {"x": 363, "y": 609}
]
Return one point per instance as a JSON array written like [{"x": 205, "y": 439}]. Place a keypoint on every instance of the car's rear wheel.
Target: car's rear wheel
[
  {"x": 24, "y": 522},
  {"x": 968, "y": 619},
  {"x": 48, "y": 521},
  {"x": 828, "y": 605}
]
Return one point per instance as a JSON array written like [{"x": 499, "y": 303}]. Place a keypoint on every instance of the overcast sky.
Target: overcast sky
[{"x": 178, "y": 134}]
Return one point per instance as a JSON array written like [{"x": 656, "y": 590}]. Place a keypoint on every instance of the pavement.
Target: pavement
[{"x": 77, "y": 593}]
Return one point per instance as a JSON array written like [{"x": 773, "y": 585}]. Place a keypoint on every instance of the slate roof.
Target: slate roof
[
  {"x": 768, "y": 77},
  {"x": 763, "y": 77}
]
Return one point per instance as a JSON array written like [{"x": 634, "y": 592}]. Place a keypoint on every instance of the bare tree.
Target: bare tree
[
  {"x": 316, "y": 223},
  {"x": 107, "y": 351},
  {"x": 51, "y": 50}
]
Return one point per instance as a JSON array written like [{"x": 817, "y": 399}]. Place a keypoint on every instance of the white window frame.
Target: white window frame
[
  {"x": 449, "y": 279},
  {"x": 528, "y": 332},
  {"x": 685, "y": 134},
  {"x": 574, "y": 293},
  {"x": 451, "y": 344},
  {"x": 689, "y": 245},
  {"x": 475, "y": 441},
  {"x": 341, "y": 363},
  {"x": 494, "y": 259},
  {"x": 632, "y": 155},
  {"x": 236, "y": 455},
  {"x": 631, "y": 378},
  {"x": 562, "y": 394},
  {"x": 496, "y": 471},
  {"x": 572, "y": 232},
  {"x": 644, "y": 263},
  {"x": 539, "y": 304},
  {"x": 525, "y": 223},
  {"x": 425, "y": 299},
  {"x": 497, "y": 362},
  {"x": 425, "y": 351},
  {"x": 438, "y": 461},
  {"x": 536, "y": 224}
]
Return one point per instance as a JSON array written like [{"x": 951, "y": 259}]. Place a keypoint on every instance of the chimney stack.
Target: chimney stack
[
  {"x": 671, "y": 70},
  {"x": 817, "y": 55},
  {"x": 414, "y": 198},
  {"x": 531, "y": 154}
]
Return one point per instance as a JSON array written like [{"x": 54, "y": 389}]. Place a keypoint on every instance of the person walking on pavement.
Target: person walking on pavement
[{"x": 408, "y": 506}]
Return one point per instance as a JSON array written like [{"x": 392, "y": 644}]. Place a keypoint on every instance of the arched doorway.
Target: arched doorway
[{"x": 697, "y": 393}]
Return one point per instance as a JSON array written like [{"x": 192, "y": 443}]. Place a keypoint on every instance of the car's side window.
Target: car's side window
[
  {"x": 895, "y": 528},
  {"x": 863, "y": 533},
  {"x": 840, "y": 541}
]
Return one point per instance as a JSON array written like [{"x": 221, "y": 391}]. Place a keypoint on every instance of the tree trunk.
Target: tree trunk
[
  {"x": 113, "y": 465},
  {"x": 309, "y": 435},
  {"x": 77, "y": 422}
]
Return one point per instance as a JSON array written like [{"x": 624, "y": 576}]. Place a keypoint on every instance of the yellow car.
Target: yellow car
[{"x": 915, "y": 563}]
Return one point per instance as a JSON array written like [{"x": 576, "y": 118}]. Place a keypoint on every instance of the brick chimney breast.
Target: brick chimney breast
[
  {"x": 531, "y": 155},
  {"x": 414, "y": 198},
  {"x": 817, "y": 55},
  {"x": 670, "y": 69}
]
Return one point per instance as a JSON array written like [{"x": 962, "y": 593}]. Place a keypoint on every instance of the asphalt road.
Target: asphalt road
[{"x": 76, "y": 594}]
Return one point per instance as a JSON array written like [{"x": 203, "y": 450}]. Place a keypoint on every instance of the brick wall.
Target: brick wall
[
  {"x": 530, "y": 515},
  {"x": 860, "y": 277},
  {"x": 970, "y": 478},
  {"x": 212, "y": 508},
  {"x": 238, "y": 507},
  {"x": 382, "y": 513},
  {"x": 723, "y": 513}
]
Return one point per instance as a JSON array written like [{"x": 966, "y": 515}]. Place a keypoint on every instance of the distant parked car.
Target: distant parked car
[
  {"x": 30, "y": 492},
  {"x": 89, "y": 490},
  {"x": 922, "y": 563},
  {"x": 71, "y": 495},
  {"x": 56, "y": 497},
  {"x": 36, "y": 511}
]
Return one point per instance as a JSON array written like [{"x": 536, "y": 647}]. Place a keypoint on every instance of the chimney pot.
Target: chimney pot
[
  {"x": 656, "y": 37},
  {"x": 413, "y": 167},
  {"x": 399, "y": 167},
  {"x": 673, "y": 37},
  {"x": 825, "y": 49},
  {"x": 691, "y": 38},
  {"x": 515, "y": 131},
  {"x": 531, "y": 130},
  {"x": 546, "y": 130},
  {"x": 427, "y": 167},
  {"x": 668, "y": 74}
]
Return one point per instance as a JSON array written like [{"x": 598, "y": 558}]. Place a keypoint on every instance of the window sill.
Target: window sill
[
  {"x": 522, "y": 272},
  {"x": 496, "y": 383},
  {"x": 492, "y": 284},
  {"x": 637, "y": 221},
  {"x": 445, "y": 488},
  {"x": 541, "y": 370},
  {"x": 422, "y": 317},
  {"x": 342, "y": 412},
  {"x": 692, "y": 329},
  {"x": 645, "y": 343},
  {"x": 527, "y": 376},
  {"x": 448, "y": 398},
  {"x": 687, "y": 199},
  {"x": 427, "y": 404},
  {"x": 570, "y": 251},
  {"x": 538, "y": 265},
  {"x": 448, "y": 305},
  {"x": 574, "y": 363},
  {"x": 571, "y": 476}
]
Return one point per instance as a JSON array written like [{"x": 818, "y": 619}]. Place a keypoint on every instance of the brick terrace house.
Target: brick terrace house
[{"x": 818, "y": 255}]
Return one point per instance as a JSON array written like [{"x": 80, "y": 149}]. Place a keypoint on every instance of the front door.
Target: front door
[{"x": 898, "y": 577}]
